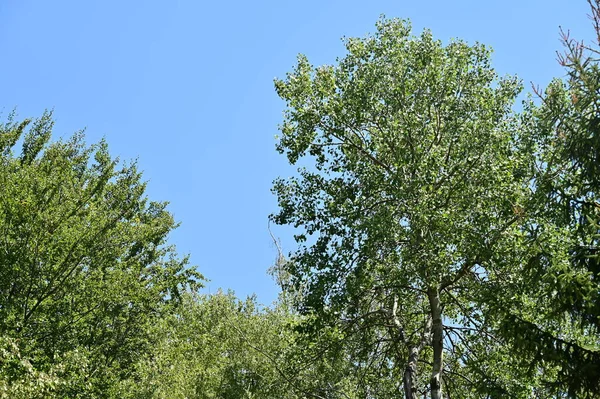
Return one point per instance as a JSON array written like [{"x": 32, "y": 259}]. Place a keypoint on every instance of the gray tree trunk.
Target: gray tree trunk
[
  {"x": 410, "y": 374},
  {"x": 437, "y": 343}
]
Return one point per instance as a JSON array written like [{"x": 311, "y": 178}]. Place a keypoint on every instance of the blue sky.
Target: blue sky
[{"x": 187, "y": 88}]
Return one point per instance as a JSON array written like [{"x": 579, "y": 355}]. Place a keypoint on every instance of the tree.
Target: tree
[
  {"x": 411, "y": 204},
  {"x": 212, "y": 348},
  {"x": 84, "y": 266},
  {"x": 555, "y": 320},
  {"x": 218, "y": 346}
]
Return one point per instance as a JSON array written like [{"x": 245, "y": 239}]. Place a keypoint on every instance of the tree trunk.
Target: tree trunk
[
  {"x": 437, "y": 343},
  {"x": 410, "y": 374}
]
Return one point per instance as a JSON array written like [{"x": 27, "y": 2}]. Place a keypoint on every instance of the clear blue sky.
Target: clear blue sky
[{"x": 186, "y": 87}]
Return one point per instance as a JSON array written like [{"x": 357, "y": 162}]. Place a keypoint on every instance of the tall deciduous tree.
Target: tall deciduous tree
[
  {"x": 84, "y": 269},
  {"x": 416, "y": 184}
]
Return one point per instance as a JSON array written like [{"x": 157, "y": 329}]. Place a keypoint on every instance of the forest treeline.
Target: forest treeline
[{"x": 447, "y": 244}]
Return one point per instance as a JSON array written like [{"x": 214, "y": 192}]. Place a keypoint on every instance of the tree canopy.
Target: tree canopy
[
  {"x": 84, "y": 267},
  {"x": 447, "y": 244},
  {"x": 554, "y": 319},
  {"x": 437, "y": 224}
]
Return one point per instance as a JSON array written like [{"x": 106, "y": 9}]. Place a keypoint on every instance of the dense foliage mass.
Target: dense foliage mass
[
  {"x": 84, "y": 269},
  {"x": 447, "y": 245},
  {"x": 553, "y": 315}
]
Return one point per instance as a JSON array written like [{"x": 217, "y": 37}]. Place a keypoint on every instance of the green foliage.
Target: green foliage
[
  {"x": 217, "y": 346},
  {"x": 220, "y": 347},
  {"x": 18, "y": 378},
  {"x": 554, "y": 317},
  {"x": 214, "y": 347},
  {"x": 417, "y": 186},
  {"x": 84, "y": 266},
  {"x": 447, "y": 245}
]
